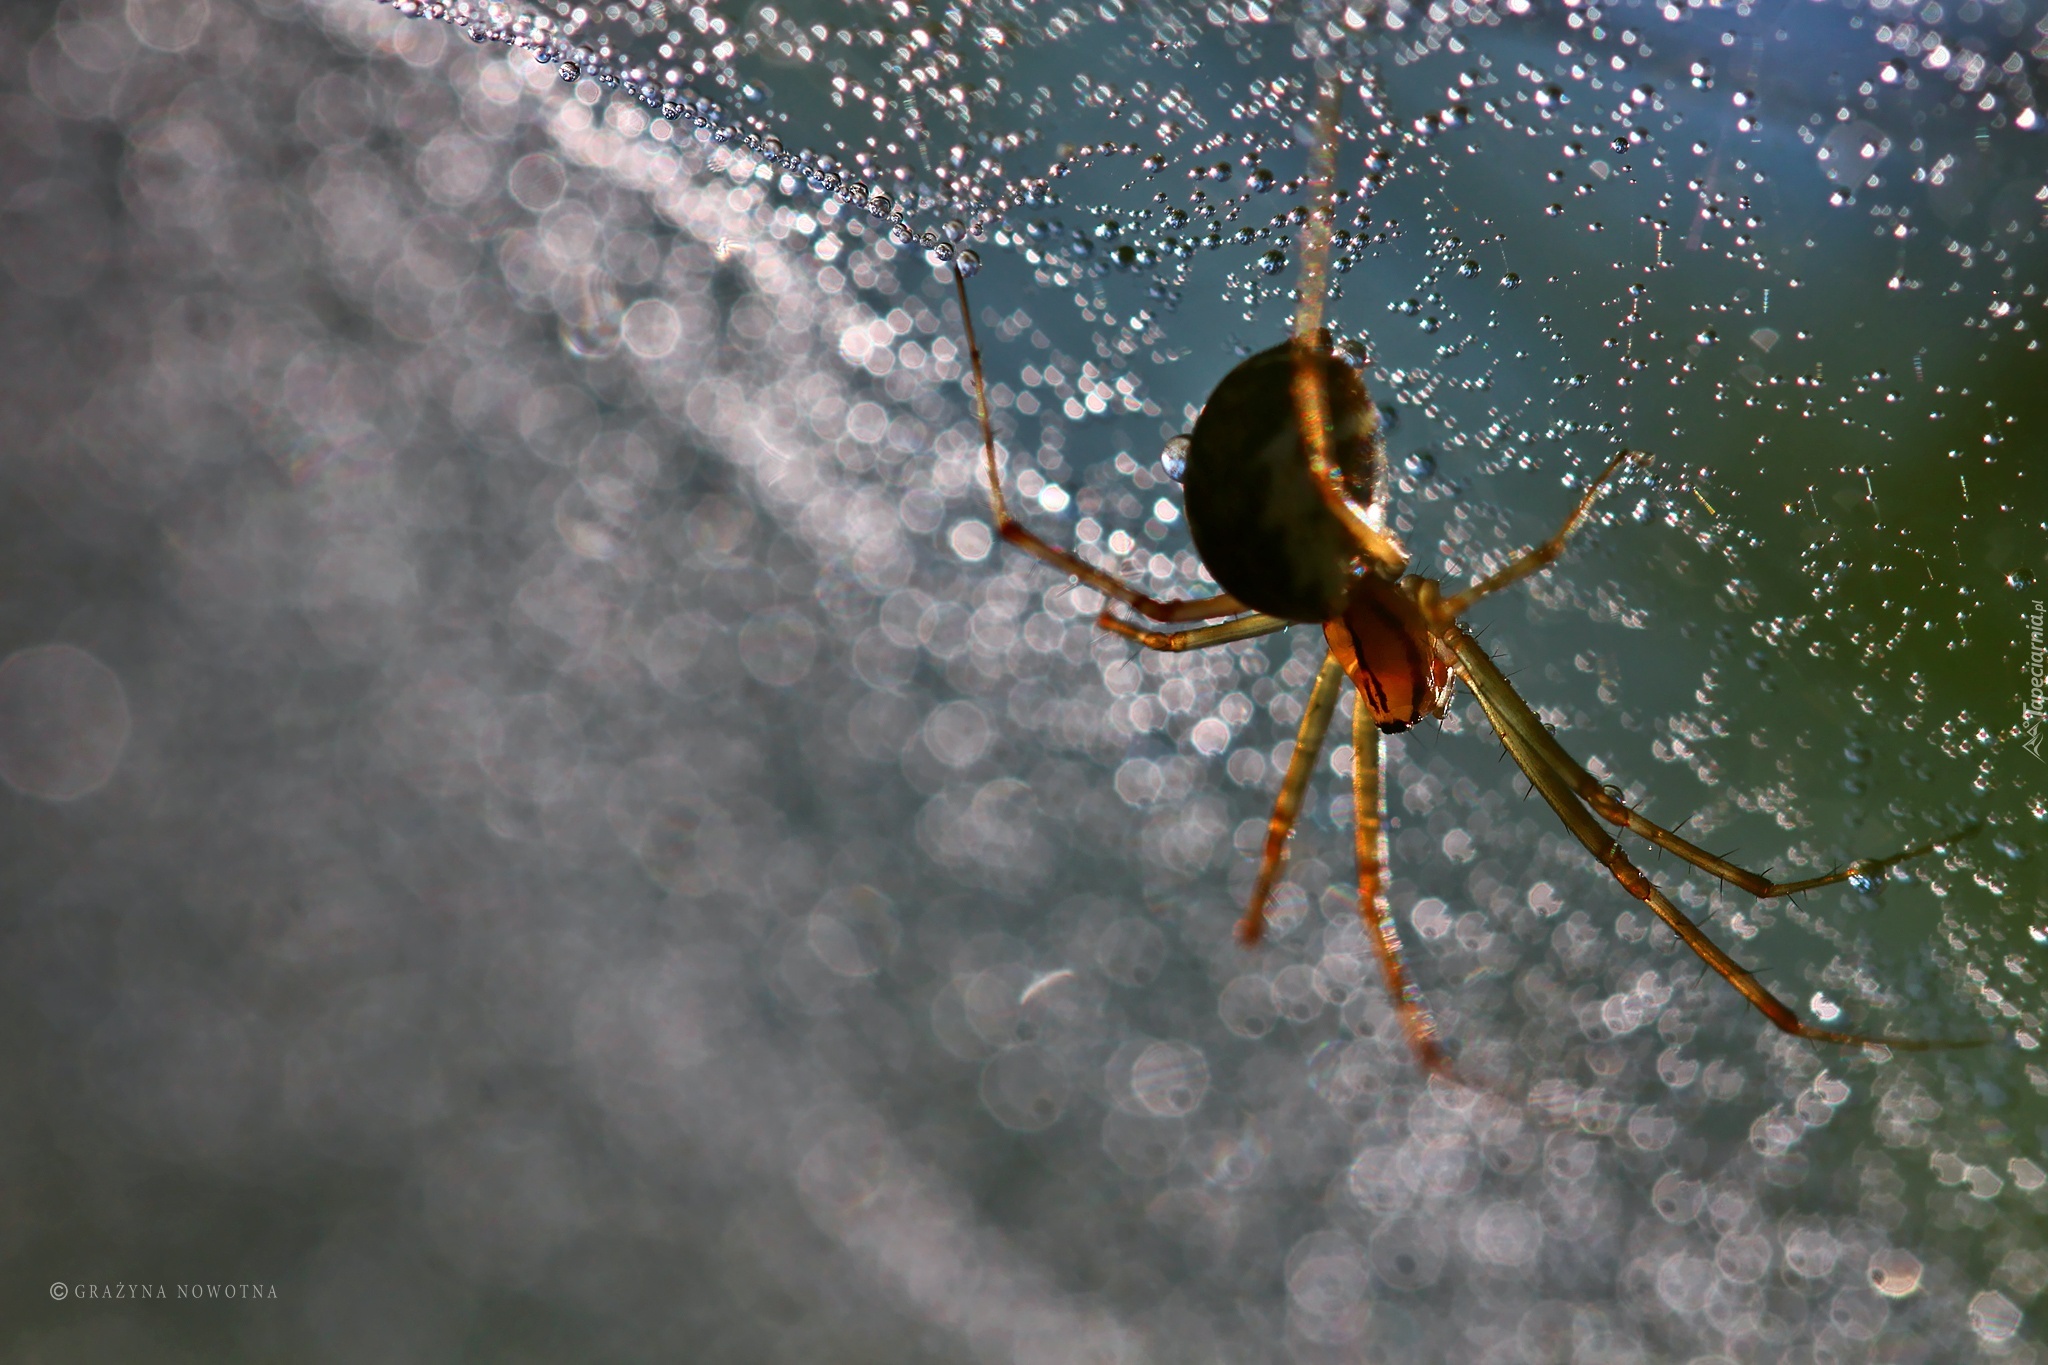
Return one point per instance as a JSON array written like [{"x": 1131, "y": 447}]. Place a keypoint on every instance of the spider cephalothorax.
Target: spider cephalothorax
[{"x": 1384, "y": 644}]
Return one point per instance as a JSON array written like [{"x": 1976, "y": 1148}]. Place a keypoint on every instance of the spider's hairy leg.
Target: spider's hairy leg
[
  {"x": 1862, "y": 867},
  {"x": 1530, "y": 561},
  {"x": 1492, "y": 691},
  {"x": 1018, "y": 534},
  {"x": 1249, "y": 627},
  {"x": 1516, "y": 713},
  {"x": 1308, "y": 745},
  {"x": 1369, "y": 799}
]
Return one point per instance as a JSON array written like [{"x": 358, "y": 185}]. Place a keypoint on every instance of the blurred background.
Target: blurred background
[{"x": 538, "y": 826}]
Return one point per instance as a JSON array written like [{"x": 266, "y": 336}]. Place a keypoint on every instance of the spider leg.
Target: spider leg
[
  {"x": 1308, "y": 744},
  {"x": 1018, "y": 534},
  {"x": 1313, "y": 283},
  {"x": 1369, "y": 799},
  {"x": 1487, "y": 685},
  {"x": 1201, "y": 637},
  {"x": 1533, "y": 560},
  {"x": 1516, "y": 713},
  {"x": 1311, "y": 404}
]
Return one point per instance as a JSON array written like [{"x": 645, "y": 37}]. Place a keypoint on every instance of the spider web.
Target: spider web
[{"x": 616, "y": 791}]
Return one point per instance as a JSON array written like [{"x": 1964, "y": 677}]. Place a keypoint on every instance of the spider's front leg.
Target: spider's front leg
[
  {"x": 1369, "y": 801},
  {"x": 1308, "y": 747},
  {"x": 1497, "y": 698},
  {"x": 1368, "y": 798},
  {"x": 1530, "y": 561},
  {"x": 1515, "y": 713}
]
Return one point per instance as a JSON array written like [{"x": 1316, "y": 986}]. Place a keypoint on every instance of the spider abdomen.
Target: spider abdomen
[
  {"x": 1253, "y": 509},
  {"x": 1383, "y": 643}
]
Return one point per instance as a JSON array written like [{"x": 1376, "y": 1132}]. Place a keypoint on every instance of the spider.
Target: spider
[{"x": 1284, "y": 490}]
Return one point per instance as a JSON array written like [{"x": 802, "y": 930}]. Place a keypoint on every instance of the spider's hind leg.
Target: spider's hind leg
[
  {"x": 1024, "y": 538},
  {"x": 1248, "y": 627},
  {"x": 1311, "y": 403}
]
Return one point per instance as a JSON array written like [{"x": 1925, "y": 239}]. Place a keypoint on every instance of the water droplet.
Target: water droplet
[
  {"x": 968, "y": 263},
  {"x": 1420, "y": 465},
  {"x": 63, "y": 722},
  {"x": 1895, "y": 1273},
  {"x": 1170, "y": 1079},
  {"x": 1024, "y": 1088},
  {"x": 1510, "y": 280},
  {"x": 1273, "y": 262},
  {"x": 1707, "y": 336},
  {"x": 1468, "y": 268},
  {"x": 2019, "y": 580},
  {"x": 1174, "y": 457}
]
